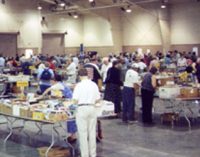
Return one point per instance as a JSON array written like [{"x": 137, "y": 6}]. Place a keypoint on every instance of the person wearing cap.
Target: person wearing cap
[
  {"x": 92, "y": 68},
  {"x": 86, "y": 94},
  {"x": 128, "y": 94},
  {"x": 147, "y": 91}
]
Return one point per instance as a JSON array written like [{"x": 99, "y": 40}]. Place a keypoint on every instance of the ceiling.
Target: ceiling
[{"x": 84, "y": 5}]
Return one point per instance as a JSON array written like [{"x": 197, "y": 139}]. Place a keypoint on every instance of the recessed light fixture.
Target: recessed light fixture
[
  {"x": 75, "y": 16},
  {"x": 62, "y": 4},
  {"x": 128, "y": 10},
  {"x": 163, "y": 4},
  {"x": 39, "y": 7}
]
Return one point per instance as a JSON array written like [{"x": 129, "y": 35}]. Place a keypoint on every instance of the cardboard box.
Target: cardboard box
[
  {"x": 163, "y": 81},
  {"x": 38, "y": 116},
  {"x": 54, "y": 152},
  {"x": 57, "y": 116},
  {"x": 26, "y": 112},
  {"x": 189, "y": 92},
  {"x": 166, "y": 92},
  {"x": 1, "y": 106},
  {"x": 16, "y": 89},
  {"x": 16, "y": 110},
  {"x": 7, "y": 109}
]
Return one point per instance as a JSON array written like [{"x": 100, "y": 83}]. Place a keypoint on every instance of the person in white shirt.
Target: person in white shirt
[
  {"x": 104, "y": 69},
  {"x": 141, "y": 65},
  {"x": 86, "y": 94},
  {"x": 128, "y": 94},
  {"x": 76, "y": 60},
  {"x": 181, "y": 63},
  {"x": 41, "y": 66},
  {"x": 71, "y": 71},
  {"x": 2, "y": 61}
]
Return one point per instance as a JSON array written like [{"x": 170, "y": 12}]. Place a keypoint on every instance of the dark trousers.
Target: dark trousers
[
  {"x": 113, "y": 94},
  {"x": 43, "y": 87},
  {"x": 128, "y": 97},
  {"x": 198, "y": 78},
  {"x": 147, "y": 104}
]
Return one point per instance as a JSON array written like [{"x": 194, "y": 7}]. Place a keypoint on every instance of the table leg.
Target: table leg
[
  {"x": 60, "y": 124},
  {"x": 39, "y": 127},
  {"x": 57, "y": 132},
  {"x": 187, "y": 119},
  {"x": 52, "y": 140},
  {"x": 10, "y": 129}
]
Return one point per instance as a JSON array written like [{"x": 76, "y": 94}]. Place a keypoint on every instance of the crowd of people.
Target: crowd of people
[{"x": 116, "y": 76}]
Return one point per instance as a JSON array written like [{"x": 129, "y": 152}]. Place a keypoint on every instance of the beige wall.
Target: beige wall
[
  {"x": 64, "y": 23},
  {"x": 185, "y": 23},
  {"x": 14, "y": 18},
  {"x": 97, "y": 31},
  {"x": 141, "y": 27},
  {"x": 107, "y": 30}
]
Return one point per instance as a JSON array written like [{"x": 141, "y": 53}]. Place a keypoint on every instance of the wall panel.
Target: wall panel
[{"x": 8, "y": 44}]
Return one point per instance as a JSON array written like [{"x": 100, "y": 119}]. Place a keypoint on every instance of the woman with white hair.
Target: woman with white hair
[{"x": 105, "y": 67}]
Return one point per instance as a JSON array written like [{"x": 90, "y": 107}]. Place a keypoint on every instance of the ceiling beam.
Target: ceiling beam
[
  {"x": 49, "y": 1},
  {"x": 141, "y": 2},
  {"x": 82, "y": 10}
]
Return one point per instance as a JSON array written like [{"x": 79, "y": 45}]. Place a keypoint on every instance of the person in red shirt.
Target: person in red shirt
[{"x": 51, "y": 64}]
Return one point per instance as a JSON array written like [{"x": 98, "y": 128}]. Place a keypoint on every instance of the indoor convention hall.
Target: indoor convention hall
[{"x": 99, "y": 78}]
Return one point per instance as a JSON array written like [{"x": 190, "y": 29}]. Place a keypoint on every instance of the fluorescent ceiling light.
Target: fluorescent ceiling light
[
  {"x": 39, "y": 8},
  {"x": 62, "y": 4},
  {"x": 163, "y": 6},
  {"x": 128, "y": 10},
  {"x": 75, "y": 16}
]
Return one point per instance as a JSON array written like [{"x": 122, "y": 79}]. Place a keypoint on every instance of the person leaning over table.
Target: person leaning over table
[
  {"x": 86, "y": 94},
  {"x": 147, "y": 91},
  {"x": 59, "y": 89}
]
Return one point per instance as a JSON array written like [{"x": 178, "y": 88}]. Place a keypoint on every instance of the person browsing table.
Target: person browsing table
[
  {"x": 128, "y": 94},
  {"x": 86, "y": 94},
  {"x": 59, "y": 89}
]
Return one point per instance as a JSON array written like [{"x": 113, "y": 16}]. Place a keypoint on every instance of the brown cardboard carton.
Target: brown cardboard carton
[
  {"x": 7, "y": 109},
  {"x": 1, "y": 106},
  {"x": 189, "y": 92},
  {"x": 54, "y": 152},
  {"x": 163, "y": 81},
  {"x": 57, "y": 116},
  {"x": 25, "y": 112}
]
